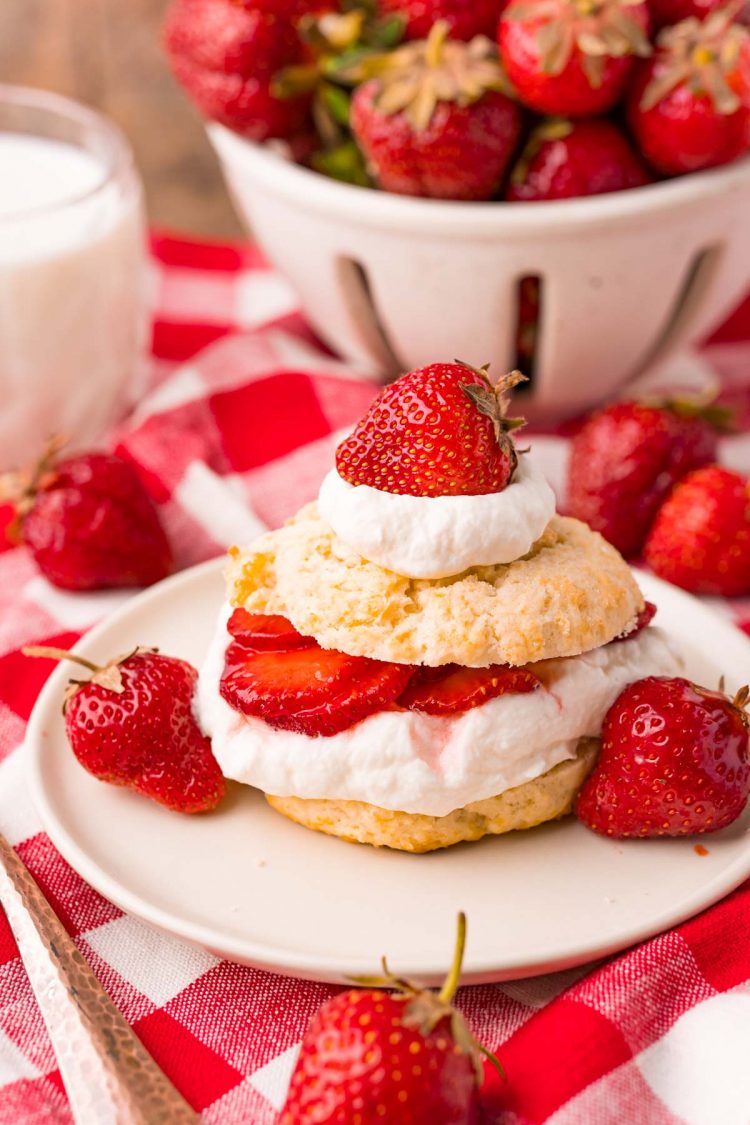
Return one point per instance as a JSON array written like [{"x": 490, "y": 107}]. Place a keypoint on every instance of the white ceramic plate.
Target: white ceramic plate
[{"x": 248, "y": 884}]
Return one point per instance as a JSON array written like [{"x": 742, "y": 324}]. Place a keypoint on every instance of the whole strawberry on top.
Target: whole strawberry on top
[
  {"x": 89, "y": 522},
  {"x": 465, "y": 18},
  {"x": 689, "y": 106},
  {"x": 433, "y": 120},
  {"x": 572, "y": 58},
  {"x": 404, "y": 1057},
  {"x": 441, "y": 430},
  {"x": 675, "y": 761},
  {"x": 564, "y": 159},
  {"x": 131, "y": 723},
  {"x": 700, "y": 539},
  {"x": 227, "y": 55},
  {"x": 626, "y": 459}
]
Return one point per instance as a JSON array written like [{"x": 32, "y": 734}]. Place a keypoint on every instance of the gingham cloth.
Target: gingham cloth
[{"x": 238, "y": 428}]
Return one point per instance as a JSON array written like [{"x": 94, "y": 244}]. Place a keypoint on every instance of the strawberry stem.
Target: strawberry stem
[
  {"x": 20, "y": 486},
  {"x": 425, "y": 1010},
  {"x": 60, "y": 654},
  {"x": 448, "y": 991},
  {"x": 492, "y": 1059},
  {"x": 742, "y": 698}
]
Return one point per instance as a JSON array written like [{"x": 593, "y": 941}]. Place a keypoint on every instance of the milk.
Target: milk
[
  {"x": 42, "y": 173},
  {"x": 71, "y": 294}
]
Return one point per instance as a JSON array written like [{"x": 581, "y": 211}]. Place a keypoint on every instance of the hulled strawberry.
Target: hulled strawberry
[
  {"x": 433, "y": 120},
  {"x": 273, "y": 673},
  {"x": 689, "y": 107},
  {"x": 132, "y": 724},
  {"x": 89, "y": 522},
  {"x": 626, "y": 459},
  {"x": 451, "y": 688},
  {"x": 403, "y": 1056},
  {"x": 441, "y": 430},
  {"x": 227, "y": 54},
  {"x": 261, "y": 632},
  {"x": 465, "y": 18},
  {"x": 572, "y": 58},
  {"x": 700, "y": 539},
  {"x": 565, "y": 159},
  {"x": 675, "y": 761}
]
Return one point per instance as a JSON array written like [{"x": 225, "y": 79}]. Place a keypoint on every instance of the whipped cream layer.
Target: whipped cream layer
[
  {"x": 430, "y": 764},
  {"x": 437, "y": 536}
]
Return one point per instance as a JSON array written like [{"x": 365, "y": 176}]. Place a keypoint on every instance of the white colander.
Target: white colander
[{"x": 628, "y": 280}]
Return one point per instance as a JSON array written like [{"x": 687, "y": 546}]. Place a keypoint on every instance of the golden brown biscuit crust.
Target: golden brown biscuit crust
[
  {"x": 544, "y": 798},
  {"x": 571, "y": 593}
]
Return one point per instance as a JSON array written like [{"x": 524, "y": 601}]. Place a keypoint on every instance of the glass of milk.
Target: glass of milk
[{"x": 73, "y": 314}]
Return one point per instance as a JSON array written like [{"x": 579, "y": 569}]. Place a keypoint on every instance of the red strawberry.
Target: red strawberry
[
  {"x": 572, "y": 57},
  {"x": 700, "y": 539},
  {"x": 227, "y": 55},
  {"x": 674, "y": 762},
  {"x": 689, "y": 106},
  {"x": 231, "y": 38},
  {"x": 434, "y": 121},
  {"x": 563, "y": 160},
  {"x": 265, "y": 632},
  {"x": 642, "y": 621},
  {"x": 8, "y": 527},
  {"x": 310, "y": 690},
  {"x": 664, "y": 13},
  {"x": 132, "y": 724},
  {"x": 404, "y": 1057},
  {"x": 451, "y": 689},
  {"x": 89, "y": 522},
  {"x": 437, "y": 431},
  {"x": 465, "y": 18},
  {"x": 625, "y": 460}
]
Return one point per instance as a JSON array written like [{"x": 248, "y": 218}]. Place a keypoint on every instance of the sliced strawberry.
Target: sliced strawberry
[
  {"x": 450, "y": 689},
  {"x": 265, "y": 632},
  {"x": 644, "y": 618},
  {"x": 312, "y": 691}
]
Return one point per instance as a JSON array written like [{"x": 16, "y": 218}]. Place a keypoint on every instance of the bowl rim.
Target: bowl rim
[{"x": 283, "y": 177}]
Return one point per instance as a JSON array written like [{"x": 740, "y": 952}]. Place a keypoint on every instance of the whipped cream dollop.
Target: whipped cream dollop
[
  {"x": 419, "y": 763},
  {"x": 436, "y": 536}
]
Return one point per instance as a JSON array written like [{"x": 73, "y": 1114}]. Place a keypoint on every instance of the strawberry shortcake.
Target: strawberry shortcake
[{"x": 427, "y": 653}]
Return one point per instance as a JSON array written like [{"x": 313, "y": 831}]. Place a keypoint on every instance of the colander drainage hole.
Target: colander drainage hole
[
  {"x": 356, "y": 294},
  {"x": 529, "y": 307}
]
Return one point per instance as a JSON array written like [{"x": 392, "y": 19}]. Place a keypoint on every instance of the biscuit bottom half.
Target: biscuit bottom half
[{"x": 546, "y": 797}]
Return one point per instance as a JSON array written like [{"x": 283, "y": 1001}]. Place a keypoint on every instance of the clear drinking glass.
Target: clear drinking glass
[{"x": 73, "y": 310}]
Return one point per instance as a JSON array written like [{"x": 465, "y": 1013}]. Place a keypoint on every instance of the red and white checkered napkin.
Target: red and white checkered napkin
[{"x": 240, "y": 432}]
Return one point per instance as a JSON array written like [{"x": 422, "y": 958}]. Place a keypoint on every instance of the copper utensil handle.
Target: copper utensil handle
[{"x": 109, "y": 1076}]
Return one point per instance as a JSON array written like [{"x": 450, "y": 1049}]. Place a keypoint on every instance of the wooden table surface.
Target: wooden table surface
[{"x": 106, "y": 53}]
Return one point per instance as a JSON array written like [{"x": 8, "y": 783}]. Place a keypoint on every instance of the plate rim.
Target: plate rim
[{"x": 313, "y": 966}]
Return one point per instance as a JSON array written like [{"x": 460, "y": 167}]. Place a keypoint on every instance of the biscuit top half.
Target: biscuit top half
[
  {"x": 433, "y": 543},
  {"x": 570, "y": 593}
]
